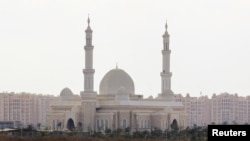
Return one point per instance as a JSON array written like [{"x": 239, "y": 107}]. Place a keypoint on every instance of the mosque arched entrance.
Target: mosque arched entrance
[
  {"x": 174, "y": 125},
  {"x": 70, "y": 124}
]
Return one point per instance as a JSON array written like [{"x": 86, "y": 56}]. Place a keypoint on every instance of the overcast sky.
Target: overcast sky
[{"x": 41, "y": 44}]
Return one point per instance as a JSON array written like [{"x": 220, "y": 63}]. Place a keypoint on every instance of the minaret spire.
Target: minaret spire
[
  {"x": 166, "y": 74},
  {"x": 88, "y": 20},
  {"x": 166, "y": 25},
  {"x": 166, "y": 38}
]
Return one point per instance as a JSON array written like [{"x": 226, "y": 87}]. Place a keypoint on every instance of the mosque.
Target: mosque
[{"x": 116, "y": 106}]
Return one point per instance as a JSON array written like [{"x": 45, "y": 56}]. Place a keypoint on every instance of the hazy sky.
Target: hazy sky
[{"x": 41, "y": 44}]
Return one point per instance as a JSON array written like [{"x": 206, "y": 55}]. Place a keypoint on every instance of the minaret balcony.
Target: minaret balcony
[
  {"x": 88, "y": 71},
  {"x": 88, "y": 47},
  {"x": 168, "y": 74},
  {"x": 165, "y": 52}
]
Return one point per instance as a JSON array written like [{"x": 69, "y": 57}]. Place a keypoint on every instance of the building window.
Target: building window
[
  {"x": 164, "y": 122},
  {"x": 102, "y": 124},
  {"x": 124, "y": 124},
  {"x": 97, "y": 124},
  {"x": 53, "y": 124},
  {"x": 106, "y": 124}
]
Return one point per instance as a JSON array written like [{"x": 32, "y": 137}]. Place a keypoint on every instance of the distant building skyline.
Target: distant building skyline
[
  {"x": 224, "y": 108},
  {"x": 219, "y": 109}
]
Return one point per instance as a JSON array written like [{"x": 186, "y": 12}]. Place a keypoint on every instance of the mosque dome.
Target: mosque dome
[
  {"x": 66, "y": 92},
  {"x": 116, "y": 81}
]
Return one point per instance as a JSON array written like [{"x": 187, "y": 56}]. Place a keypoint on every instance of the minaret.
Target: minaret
[
  {"x": 88, "y": 71},
  {"x": 166, "y": 74},
  {"x": 88, "y": 96}
]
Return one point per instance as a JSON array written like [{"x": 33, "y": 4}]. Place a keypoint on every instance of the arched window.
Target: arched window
[
  {"x": 106, "y": 125},
  {"x": 97, "y": 124},
  {"x": 102, "y": 124},
  {"x": 124, "y": 124}
]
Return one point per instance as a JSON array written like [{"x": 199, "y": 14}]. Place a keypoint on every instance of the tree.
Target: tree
[
  {"x": 235, "y": 122},
  {"x": 108, "y": 131},
  {"x": 80, "y": 126},
  {"x": 225, "y": 123},
  {"x": 137, "y": 134},
  {"x": 30, "y": 127},
  {"x": 145, "y": 134},
  {"x": 59, "y": 124},
  {"x": 127, "y": 130},
  {"x": 156, "y": 132},
  {"x": 213, "y": 123},
  {"x": 38, "y": 126},
  {"x": 117, "y": 132}
]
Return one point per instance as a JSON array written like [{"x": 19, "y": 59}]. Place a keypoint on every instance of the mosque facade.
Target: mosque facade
[{"x": 116, "y": 106}]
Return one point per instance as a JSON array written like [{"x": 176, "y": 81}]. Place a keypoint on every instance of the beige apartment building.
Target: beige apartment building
[
  {"x": 24, "y": 107},
  {"x": 197, "y": 109},
  {"x": 223, "y": 108}
]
